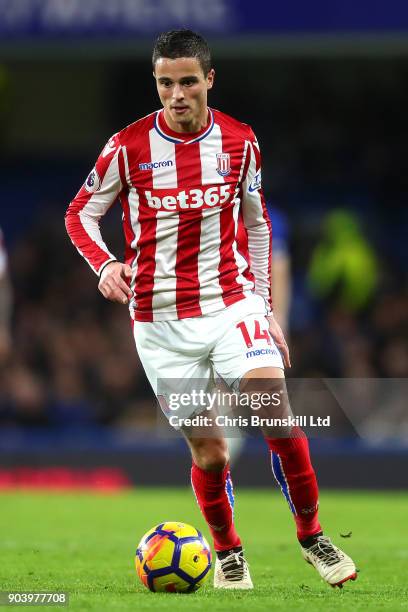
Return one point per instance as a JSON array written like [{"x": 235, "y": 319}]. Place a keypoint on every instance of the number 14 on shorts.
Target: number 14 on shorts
[{"x": 257, "y": 335}]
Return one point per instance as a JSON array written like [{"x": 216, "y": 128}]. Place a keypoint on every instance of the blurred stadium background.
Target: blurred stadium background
[{"x": 325, "y": 87}]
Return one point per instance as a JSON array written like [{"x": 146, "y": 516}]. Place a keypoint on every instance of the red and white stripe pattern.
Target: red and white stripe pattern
[
  {"x": 93, "y": 200},
  {"x": 181, "y": 210}
]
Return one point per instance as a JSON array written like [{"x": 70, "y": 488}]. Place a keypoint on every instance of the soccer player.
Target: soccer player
[{"x": 184, "y": 174}]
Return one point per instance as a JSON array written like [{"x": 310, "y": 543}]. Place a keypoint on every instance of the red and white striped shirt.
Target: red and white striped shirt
[{"x": 182, "y": 196}]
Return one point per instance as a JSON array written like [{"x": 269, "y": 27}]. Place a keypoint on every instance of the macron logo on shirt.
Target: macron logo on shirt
[{"x": 151, "y": 165}]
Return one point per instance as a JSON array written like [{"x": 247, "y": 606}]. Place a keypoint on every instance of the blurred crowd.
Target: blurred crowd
[
  {"x": 349, "y": 316},
  {"x": 72, "y": 360}
]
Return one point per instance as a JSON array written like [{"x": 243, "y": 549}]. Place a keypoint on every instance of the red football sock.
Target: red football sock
[
  {"x": 215, "y": 497},
  {"x": 294, "y": 472}
]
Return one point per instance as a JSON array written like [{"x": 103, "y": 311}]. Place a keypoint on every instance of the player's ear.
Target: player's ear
[{"x": 210, "y": 78}]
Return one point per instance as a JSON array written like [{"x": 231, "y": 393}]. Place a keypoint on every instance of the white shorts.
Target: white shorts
[{"x": 224, "y": 344}]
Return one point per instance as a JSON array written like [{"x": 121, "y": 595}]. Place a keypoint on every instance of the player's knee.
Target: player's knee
[{"x": 211, "y": 454}]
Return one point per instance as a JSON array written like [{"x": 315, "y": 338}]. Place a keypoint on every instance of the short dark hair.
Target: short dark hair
[{"x": 183, "y": 43}]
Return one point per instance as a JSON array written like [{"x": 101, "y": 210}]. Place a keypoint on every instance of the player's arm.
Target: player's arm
[
  {"x": 93, "y": 200},
  {"x": 258, "y": 227}
]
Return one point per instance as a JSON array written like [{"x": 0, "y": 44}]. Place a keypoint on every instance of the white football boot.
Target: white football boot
[
  {"x": 333, "y": 565},
  {"x": 231, "y": 570}
]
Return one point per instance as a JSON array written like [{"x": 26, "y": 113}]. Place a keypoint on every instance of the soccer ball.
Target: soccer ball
[{"x": 173, "y": 557}]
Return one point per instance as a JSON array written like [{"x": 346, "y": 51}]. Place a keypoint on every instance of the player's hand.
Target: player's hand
[
  {"x": 279, "y": 339},
  {"x": 114, "y": 281}
]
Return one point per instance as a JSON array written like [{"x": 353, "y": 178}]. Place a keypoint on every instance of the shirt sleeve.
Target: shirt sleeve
[
  {"x": 96, "y": 196},
  {"x": 256, "y": 220}
]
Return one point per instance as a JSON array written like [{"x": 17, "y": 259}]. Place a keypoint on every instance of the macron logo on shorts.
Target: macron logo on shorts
[{"x": 257, "y": 352}]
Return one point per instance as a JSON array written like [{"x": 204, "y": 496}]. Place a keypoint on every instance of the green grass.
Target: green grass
[{"x": 84, "y": 544}]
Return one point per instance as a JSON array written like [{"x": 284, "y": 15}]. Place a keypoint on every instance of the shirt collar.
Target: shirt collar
[{"x": 165, "y": 132}]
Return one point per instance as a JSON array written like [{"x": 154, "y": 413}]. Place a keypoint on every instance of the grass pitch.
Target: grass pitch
[{"x": 84, "y": 544}]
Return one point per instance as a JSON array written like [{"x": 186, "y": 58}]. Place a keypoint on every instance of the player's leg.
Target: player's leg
[
  {"x": 212, "y": 485},
  {"x": 293, "y": 470},
  {"x": 289, "y": 450},
  {"x": 175, "y": 354}
]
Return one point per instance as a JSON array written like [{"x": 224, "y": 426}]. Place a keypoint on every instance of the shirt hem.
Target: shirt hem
[{"x": 189, "y": 313}]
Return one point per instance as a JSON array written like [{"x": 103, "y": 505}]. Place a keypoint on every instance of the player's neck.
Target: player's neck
[{"x": 191, "y": 127}]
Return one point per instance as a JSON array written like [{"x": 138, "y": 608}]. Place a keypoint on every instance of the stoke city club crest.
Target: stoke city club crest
[{"x": 223, "y": 164}]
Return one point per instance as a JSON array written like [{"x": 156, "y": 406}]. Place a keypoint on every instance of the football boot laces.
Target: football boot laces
[
  {"x": 233, "y": 566},
  {"x": 325, "y": 551}
]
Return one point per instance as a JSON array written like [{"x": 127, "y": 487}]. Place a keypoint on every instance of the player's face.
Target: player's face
[{"x": 183, "y": 87}]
